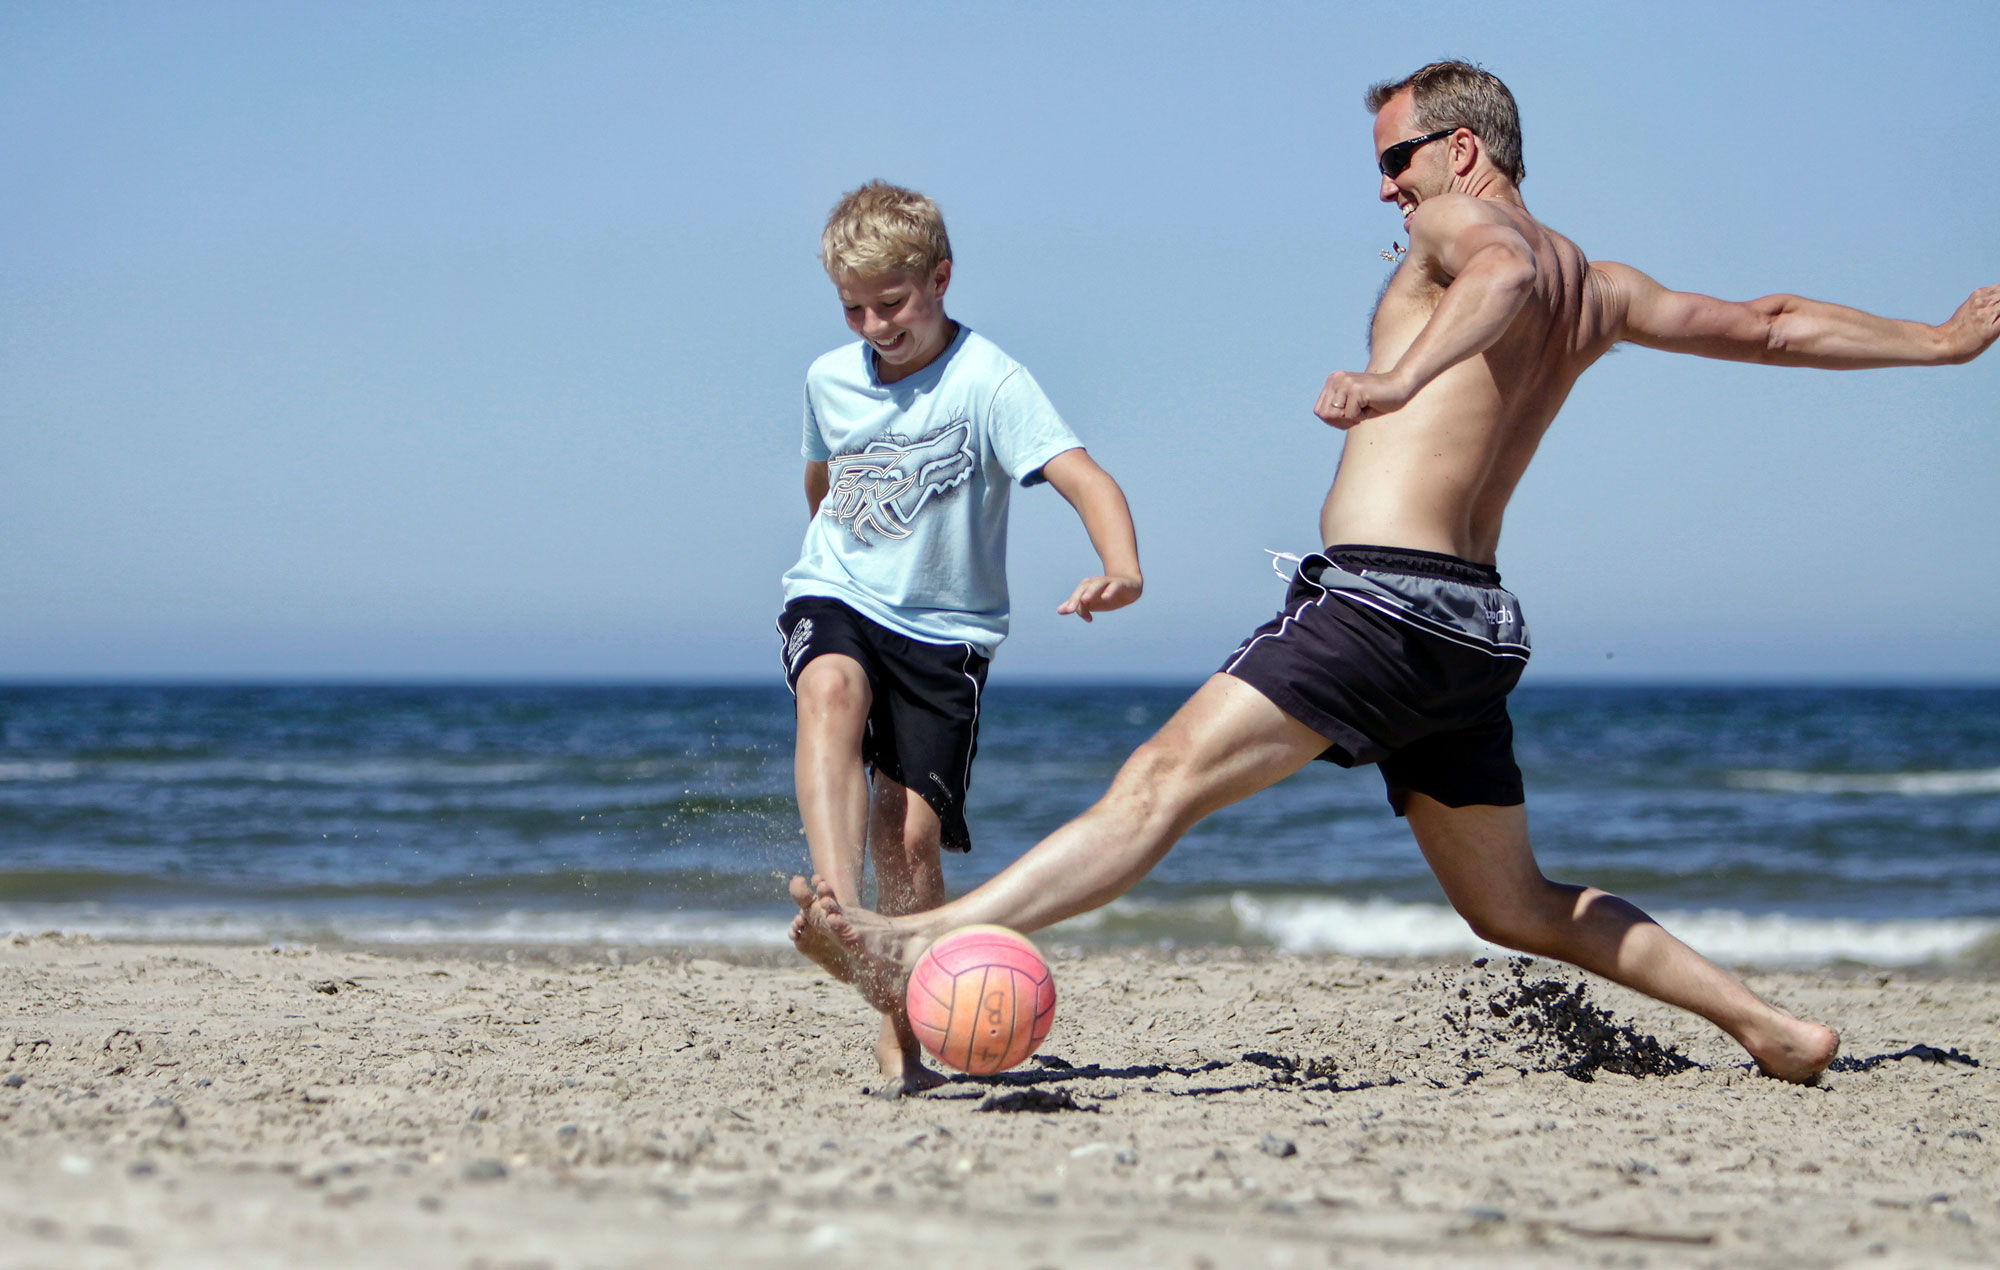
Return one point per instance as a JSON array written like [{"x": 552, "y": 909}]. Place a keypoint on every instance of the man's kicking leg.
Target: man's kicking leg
[
  {"x": 1229, "y": 742},
  {"x": 1482, "y": 857},
  {"x": 1226, "y": 743}
]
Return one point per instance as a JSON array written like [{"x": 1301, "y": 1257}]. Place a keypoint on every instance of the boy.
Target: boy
[{"x": 913, "y": 437}]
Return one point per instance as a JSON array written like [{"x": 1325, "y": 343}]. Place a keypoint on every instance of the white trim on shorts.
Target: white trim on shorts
[
  {"x": 784, "y": 666},
  {"x": 965, "y": 781},
  {"x": 1279, "y": 633}
]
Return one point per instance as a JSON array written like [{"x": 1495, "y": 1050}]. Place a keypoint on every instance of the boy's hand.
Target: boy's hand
[{"x": 1101, "y": 595}]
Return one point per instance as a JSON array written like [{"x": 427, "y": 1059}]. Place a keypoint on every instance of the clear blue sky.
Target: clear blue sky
[{"x": 416, "y": 340}]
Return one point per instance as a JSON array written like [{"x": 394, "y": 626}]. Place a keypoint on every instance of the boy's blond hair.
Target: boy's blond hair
[{"x": 882, "y": 228}]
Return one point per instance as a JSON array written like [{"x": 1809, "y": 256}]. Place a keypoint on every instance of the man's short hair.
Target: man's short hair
[
  {"x": 1460, "y": 95},
  {"x": 881, "y": 229}
]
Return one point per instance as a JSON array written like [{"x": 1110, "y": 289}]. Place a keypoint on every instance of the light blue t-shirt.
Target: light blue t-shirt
[{"x": 913, "y": 530}]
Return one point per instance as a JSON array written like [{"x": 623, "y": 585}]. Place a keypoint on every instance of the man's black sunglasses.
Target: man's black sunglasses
[{"x": 1396, "y": 159}]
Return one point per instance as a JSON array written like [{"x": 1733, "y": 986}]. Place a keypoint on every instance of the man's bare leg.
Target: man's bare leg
[
  {"x": 832, "y": 783},
  {"x": 904, "y": 838},
  {"x": 1226, "y": 743},
  {"x": 1482, "y": 857}
]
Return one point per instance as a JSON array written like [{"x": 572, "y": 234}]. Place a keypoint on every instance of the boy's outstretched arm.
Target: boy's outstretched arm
[
  {"x": 1100, "y": 504},
  {"x": 1790, "y": 330}
]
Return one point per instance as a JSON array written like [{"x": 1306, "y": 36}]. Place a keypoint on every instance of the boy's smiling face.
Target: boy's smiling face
[{"x": 900, "y": 315}]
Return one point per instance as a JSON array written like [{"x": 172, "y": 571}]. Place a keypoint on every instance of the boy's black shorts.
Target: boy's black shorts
[
  {"x": 1401, "y": 658},
  {"x": 923, "y": 728}
]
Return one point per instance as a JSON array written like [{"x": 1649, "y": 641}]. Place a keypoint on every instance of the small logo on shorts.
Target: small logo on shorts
[
  {"x": 795, "y": 647},
  {"x": 1502, "y": 616}
]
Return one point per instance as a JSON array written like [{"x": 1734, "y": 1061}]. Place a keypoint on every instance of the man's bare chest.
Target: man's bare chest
[{"x": 1401, "y": 311}]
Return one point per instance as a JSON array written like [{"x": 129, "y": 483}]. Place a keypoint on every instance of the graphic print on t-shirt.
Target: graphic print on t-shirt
[{"x": 888, "y": 481}]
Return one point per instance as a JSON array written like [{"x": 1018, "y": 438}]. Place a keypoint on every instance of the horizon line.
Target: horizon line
[{"x": 1716, "y": 679}]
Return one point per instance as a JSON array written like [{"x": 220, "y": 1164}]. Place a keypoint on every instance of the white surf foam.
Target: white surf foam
[
  {"x": 512, "y": 927},
  {"x": 1912, "y": 784},
  {"x": 1364, "y": 928},
  {"x": 1384, "y": 928}
]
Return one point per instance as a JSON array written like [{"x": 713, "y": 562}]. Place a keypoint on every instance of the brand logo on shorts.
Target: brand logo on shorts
[
  {"x": 1502, "y": 616},
  {"x": 795, "y": 647},
  {"x": 890, "y": 480}
]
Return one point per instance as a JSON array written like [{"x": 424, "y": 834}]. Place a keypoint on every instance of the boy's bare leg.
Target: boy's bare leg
[
  {"x": 1226, "y": 743},
  {"x": 905, "y": 839},
  {"x": 832, "y": 783},
  {"x": 1482, "y": 857}
]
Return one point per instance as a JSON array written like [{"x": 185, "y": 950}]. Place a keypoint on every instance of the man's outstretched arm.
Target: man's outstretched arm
[{"x": 1790, "y": 330}]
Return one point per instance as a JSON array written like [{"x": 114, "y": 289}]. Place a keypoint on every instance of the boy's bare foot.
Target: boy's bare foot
[
  {"x": 878, "y": 955},
  {"x": 901, "y": 1061},
  {"x": 1793, "y": 1049},
  {"x": 814, "y": 940}
]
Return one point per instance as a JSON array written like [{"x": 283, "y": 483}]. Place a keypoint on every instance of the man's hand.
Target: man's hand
[
  {"x": 1349, "y": 397},
  {"x": 1101, "y": 594},
  {"x": 1973, "y": 329}
]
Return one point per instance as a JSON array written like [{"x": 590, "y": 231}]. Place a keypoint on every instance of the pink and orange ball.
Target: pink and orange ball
[{"x": 981, "y": 999}]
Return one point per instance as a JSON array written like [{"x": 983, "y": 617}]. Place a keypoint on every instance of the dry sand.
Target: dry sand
[{"x": 210, "y": 1106}]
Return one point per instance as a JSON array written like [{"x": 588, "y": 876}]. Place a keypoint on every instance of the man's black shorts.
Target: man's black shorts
[
  {"x": 1402, "y": 658},
  {"x": 923, "y": 728}
]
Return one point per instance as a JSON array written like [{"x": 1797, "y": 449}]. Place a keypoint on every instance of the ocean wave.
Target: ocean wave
[
  {"x": 1361, "y": 928},
  {"x": 39, "y": 771},
  {"x": 333, "y": 772},
  {"x": 282, "y": 772},
  {"x": 375, "y": 771},
  {"x": 519, "y": 926},
  {"x": 1913, "y": 784},
  {"x": 1386, "y": 928}
]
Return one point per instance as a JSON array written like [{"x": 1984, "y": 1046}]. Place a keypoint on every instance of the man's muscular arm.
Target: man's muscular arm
[
  {"x": 1487, "y": 270},
  {"x": 1789, "y": 330}
]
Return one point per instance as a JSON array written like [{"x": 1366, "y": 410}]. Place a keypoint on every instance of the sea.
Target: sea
[{"x": 1766, "y": 825}]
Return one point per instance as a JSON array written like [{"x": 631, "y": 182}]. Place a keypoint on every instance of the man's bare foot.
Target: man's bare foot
[
  {"x": 879, "y": 954},
  {"x": 901, "y": 1061},
  {"x": 813, "y": 940},
  {"x": 1794, "y": 1049}
]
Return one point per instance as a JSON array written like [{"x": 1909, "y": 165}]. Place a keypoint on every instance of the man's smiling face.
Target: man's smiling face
[{"x": 1429, "y": 172}]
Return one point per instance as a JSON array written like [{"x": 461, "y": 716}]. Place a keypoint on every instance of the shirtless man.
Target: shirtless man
[{"x": 1402, "y": 652}]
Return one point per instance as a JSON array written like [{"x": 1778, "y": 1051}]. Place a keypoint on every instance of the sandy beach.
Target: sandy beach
[{"x": 196, "y": 1105}]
